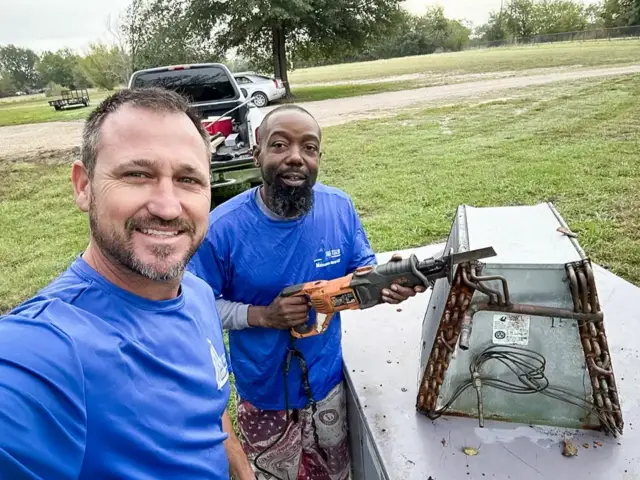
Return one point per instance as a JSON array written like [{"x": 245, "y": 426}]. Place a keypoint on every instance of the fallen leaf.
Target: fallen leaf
[
  {"x": 567, "y": 232},
  {"x": 470, "y": 451},
  {"x": 569, "y": 449},
  {"x": 399, "y": 310},
  {"x": 443, "y": 442},
  {"x": 598, "y": 444},
  {"x": 585, "y": 445}
]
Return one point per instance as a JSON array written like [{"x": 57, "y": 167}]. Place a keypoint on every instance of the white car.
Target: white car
[{"x": 262, "y": 89}]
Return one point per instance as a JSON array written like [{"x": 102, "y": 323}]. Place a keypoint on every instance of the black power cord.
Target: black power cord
[
  {"x": 293, "y": 352},
  {"x": 528, "y": 366}
]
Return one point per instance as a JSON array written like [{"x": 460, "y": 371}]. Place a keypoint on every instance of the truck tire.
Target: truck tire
[{"x": 260, "y": 99}]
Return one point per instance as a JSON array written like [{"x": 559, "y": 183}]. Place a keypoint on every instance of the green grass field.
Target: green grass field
[
  {"x": 591, "y": 53},
  {"x": 575, "y": 145},
  {"x": 441, "y": 67}
]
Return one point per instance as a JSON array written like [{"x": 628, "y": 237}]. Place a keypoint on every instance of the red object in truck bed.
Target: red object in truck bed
[{"x": 223, "y": 125}]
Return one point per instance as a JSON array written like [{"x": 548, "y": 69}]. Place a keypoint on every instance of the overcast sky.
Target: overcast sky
[{"x": 52, "y": 24}]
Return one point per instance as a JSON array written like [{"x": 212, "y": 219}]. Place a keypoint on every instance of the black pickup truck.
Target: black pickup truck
[{"x": 214, "y": 93}]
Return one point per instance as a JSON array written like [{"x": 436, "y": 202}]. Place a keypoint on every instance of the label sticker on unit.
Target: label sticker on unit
[{"x": 511, "y": 329}]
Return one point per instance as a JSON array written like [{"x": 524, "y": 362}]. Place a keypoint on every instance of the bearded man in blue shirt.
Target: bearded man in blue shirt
[
  {"x": 117, "y": 369},
  {"x": 290, "y": 230}
]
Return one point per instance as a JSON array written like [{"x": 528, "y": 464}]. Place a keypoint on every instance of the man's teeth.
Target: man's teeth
[{"x": 160, "y": 233}]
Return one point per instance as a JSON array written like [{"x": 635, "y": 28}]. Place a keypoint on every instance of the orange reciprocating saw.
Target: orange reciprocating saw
[{"x": 363, "y": 288}]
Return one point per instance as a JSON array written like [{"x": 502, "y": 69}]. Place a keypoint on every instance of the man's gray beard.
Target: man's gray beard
[
  {"x": 290, "y": 202},
  {"x": 120, "y": 251}
]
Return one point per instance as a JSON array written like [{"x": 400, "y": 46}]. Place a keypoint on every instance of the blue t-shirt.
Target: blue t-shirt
[
  {"x": 96, "y": 382},
  {"x": 249, "y": 257}
]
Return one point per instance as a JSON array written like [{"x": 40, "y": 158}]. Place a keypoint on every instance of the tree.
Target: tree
[
  {"x": 19, "y": 64},
  {"x": 457, "y": 36},
  {"x": 521, "y": 18},
  {"x": 160, "y": 32},
  {"x": 261, "y": 28},
  {"x": 58, "y": 67},
  {"x": 495, "y": 29},
  {"x": 102, "y": 66},
  {"x": 6, "y": 85},
  {"x": 557, "y": 16},
  {"x": 620, "y": 13}
]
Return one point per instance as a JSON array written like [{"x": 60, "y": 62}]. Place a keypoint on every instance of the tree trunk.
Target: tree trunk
[
  {"x": 280, "y": 57},
  {"x": 275, "y": 39}
]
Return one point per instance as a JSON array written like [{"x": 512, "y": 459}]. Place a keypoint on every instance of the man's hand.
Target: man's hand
[
  {"x": 239, "y": 466},
  {"x": 398, "y": 294},
  {"x": 283, "y": 313}
]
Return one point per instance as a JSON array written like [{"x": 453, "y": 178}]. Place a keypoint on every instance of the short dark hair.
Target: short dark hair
[
  {"x": 155, "y": 99},
  {"x": 262, "y": 129}
]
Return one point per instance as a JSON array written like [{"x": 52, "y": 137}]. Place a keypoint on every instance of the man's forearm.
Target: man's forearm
[
  {"x": 255, "y": 316},
  {"x": 239, "y": 466},
  {"x": 236, "y": 315},
  {"x": 233, "y": 314}
]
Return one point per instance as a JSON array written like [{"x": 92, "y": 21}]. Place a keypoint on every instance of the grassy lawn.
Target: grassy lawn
[
  {"x": 36, "y": 109},
  {"x": 592, "y": 53},
  {"x": 573, "y": 144},
  {"x": 438, "y": 69}
]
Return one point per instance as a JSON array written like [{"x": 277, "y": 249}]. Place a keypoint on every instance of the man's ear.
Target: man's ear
[
  {"x": 256, "y": 155},
  {"x": 81, "y": 185}
]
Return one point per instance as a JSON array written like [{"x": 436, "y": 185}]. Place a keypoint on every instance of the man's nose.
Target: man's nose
[
  {"x": 164, "y": 203},
  {"x": 295, "y": 156}
]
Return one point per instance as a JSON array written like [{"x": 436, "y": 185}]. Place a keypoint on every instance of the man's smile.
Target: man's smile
[{"x": 293, "y": 179}]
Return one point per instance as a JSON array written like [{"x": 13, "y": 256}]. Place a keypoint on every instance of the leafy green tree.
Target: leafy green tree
[
  {"x": 620, "y": 13},
  {"x": 557, "y": 16},
  {"x": 58, "y": 67},
  {"x": 19, "y": 64},
  {"x": 160, "y": 32},
  {"x": 6, "y": 85},
  {"x": 521, "y": 18},
  {"x": 104, "y": 65},
  {"x": 259, "y": 29}
]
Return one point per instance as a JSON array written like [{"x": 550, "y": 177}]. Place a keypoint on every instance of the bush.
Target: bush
[{"x": 53, "y": 90}]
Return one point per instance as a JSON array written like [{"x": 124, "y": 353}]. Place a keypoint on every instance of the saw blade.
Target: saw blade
[{"x": 472, "y": 255}]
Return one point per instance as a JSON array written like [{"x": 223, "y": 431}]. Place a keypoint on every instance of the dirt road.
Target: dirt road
[{"x": 48, "y": 139}]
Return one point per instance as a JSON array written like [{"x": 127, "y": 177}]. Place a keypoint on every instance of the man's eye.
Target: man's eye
[
  {"x": 136, "y": 174},
  {"x": 278, "y": 145},
  {"x": 190, "y": 180},
  {"x": 313, "y": 148}
]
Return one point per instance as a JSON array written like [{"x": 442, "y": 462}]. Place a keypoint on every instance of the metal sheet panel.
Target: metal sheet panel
[
  {"x": 522, "y": 235},
  {"x": 531, "y": 256},
  {"x": 382, "y": 348}
]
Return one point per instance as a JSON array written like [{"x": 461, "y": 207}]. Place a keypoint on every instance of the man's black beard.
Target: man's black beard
[{"x": 290, "y": 202}]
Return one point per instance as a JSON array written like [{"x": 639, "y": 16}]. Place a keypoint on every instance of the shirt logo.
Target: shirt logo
[
  {"x": 328, "y": 257},
  {"x": 219, "y": 365}
]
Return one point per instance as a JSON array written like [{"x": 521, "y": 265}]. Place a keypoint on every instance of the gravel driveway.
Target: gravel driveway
[{"x": 44, "y": 140}]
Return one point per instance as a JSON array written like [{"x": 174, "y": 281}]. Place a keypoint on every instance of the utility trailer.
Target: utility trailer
[
  {"x": 71, "y": 98},
  {"x": 386, "y": 350}
]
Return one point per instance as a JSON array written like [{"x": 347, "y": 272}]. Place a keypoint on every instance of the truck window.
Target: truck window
[{"x": 203, "y": 84}]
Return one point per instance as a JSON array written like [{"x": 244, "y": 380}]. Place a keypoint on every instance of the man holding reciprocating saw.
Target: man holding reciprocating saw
[{"x": 290, "y": 230}]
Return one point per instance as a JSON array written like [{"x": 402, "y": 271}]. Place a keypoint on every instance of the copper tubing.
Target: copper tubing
[
  {"x": 586, "y": 307},
  {"x": 444, "y": 342},
  {"x": 493, "y": 296},
  {"x": 524, "y": 309},
  {"x": 465, "y": 331},
  {"x": 601, "y": 371},
  {"x": 505, "y": 286},
  {"x": 592, "y": 287},
  {"x": 573, "y": 281}
]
